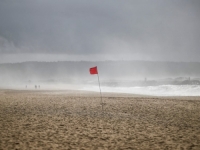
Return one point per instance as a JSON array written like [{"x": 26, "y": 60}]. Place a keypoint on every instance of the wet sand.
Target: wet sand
[{"x": 75, "y": 120}]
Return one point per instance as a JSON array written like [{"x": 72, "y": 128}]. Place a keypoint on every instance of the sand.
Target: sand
[{"x": 74, "y": 120}]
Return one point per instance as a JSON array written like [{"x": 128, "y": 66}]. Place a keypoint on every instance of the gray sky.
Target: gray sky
[{"x": 50, "y": 30}]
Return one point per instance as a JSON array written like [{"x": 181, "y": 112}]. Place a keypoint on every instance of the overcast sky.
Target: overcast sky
[{"x": 51, "y": 30}]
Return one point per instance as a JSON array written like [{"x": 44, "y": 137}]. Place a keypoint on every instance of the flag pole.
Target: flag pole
[{"x": 100, "y": 91}]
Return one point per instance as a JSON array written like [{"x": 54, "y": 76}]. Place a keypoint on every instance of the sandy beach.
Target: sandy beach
[{"x": 75, "y": 120}]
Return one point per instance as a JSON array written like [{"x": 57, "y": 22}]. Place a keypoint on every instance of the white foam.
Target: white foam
[{"x": 162, "y": 90}]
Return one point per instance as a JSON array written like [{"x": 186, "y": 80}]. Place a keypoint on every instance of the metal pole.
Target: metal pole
[{"x": 100, "y": 92}]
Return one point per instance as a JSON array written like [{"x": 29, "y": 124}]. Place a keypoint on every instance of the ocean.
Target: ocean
[{"x": 160, "y": 90}]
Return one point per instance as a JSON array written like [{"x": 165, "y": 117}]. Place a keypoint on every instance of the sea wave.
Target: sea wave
[{"x": 161, "y": 90}]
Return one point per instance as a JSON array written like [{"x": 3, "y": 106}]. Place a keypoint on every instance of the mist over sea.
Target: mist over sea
[
  {"x": 156, "y": 90},
  {"x": 135, "y": 77}
]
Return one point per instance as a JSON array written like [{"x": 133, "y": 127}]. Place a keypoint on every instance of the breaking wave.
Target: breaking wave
[{"x": 161, "y": 90}]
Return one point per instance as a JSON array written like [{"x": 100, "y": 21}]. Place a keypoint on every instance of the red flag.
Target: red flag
[{"x": 93, "y": 70}]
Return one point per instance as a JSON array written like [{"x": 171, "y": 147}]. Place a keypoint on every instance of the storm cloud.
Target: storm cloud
[{"x": 85, "y": 29}]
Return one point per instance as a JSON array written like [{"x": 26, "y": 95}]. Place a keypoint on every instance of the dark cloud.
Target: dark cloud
[{"x": 143, "y": 29}]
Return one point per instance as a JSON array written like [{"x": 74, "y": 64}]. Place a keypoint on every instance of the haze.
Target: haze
[{"x": 56, "y": 42}]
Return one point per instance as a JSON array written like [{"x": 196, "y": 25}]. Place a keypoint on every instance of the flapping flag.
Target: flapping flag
[{"x": 93, "y": 70}]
